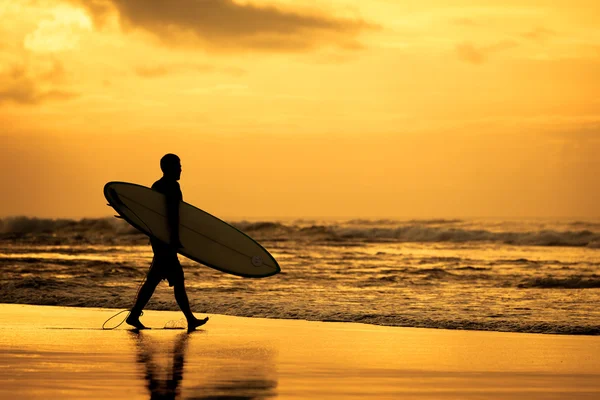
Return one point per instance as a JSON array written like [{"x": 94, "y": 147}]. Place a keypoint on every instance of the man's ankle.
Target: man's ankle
[
  {"x": 135, "y": 322},
  {"x": 192, "y": 325}
]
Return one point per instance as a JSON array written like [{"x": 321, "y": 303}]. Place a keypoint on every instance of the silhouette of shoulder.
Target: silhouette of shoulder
[{"x": 168, "y": 187}]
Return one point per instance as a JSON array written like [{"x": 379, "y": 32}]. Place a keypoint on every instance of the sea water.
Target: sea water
[{"x": 505, "y": 275}]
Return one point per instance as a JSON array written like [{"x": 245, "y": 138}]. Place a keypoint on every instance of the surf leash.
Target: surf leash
[
  {"x": 127, "y": 311},
  {"x": 122, "y": 311},
  {"x": 120, "y": 323}
]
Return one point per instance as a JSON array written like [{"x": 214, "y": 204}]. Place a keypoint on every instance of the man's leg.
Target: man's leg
[
  {"x": 184, "y": 305},
  {"x": 183, "y": 301},
  {"x": 144, "y": 295}
]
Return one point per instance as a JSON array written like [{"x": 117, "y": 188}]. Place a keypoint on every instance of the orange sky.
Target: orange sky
[{"x": 304, "y": 108}]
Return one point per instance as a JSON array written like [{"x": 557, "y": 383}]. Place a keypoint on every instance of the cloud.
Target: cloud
[
  {"x": 469, "y": 53},
  {"x": 539, "y": 34},
  {"x": 465, "y": 22},
  {"x": 55, "y": 73},
  {"x": 160, "y": 70},
  {"x": 581, "y": 130},
  {"x": 59, "y": 33},
  {"x": 224, "y": 25},
  {"x": 22, "y": 86},
  {"x": 28, "y": 93}
]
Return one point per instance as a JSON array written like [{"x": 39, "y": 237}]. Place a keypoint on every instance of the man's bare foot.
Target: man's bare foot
[
  {"x": 192, "y": 325},
  {"x": 135, "y": 322}
]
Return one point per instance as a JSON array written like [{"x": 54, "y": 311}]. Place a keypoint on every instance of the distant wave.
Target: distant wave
[
  {"x": 585, "y": 225},
  {"x": 113, "y": 231},
  {"x": 577, "y": 282},
  {"x": 45, "y": 225},
  {"x": 44, "y": 231},
  {"x": 435, "y": 221},
  {"x": 418, "y": 232}
]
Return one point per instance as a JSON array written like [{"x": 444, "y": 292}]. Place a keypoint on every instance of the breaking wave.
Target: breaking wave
[{"x": 111, "y": 231}]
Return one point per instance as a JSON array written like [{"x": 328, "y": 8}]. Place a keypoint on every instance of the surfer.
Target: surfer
[{"x": 165, "y": 264}]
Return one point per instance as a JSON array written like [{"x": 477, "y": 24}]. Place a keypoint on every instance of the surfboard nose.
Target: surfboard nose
[{"x": 111, "y": 194}]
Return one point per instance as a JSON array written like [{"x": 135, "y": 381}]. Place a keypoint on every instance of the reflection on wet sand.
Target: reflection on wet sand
[{"x": 212, "y": 372}]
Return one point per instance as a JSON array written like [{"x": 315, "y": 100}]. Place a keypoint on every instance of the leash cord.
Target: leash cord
[{"x": 122, "y": 311}]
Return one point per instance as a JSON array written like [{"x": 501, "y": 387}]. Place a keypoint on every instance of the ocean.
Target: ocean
[{"x": 536, "y": 275}]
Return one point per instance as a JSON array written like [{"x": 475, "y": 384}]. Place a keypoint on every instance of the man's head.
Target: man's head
[{"x": 171, "y": 166}]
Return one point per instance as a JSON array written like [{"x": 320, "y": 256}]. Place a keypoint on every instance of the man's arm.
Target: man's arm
[{"x": 173, "y": 218}]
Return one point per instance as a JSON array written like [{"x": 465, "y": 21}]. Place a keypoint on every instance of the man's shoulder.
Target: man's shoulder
[
  {"x": 158, "y": 185},
  {"x": 166, "y": 186}
]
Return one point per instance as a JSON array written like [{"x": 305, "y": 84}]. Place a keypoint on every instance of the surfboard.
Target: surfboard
[{"x": 204, "y": 237}]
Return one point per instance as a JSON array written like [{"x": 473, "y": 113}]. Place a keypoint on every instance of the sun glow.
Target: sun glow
[
  {"x": 370, "y": 107},
  {"x": 60, "y": 32}
]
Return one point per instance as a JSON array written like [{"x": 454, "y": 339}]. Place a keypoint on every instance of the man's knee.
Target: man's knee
[
  {"x": 152, "y": 280},
  {"x": 176, "y": 278},
  {"x": 179, "y": 284}
]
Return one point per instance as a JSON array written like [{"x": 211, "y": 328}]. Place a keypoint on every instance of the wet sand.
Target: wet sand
[{"x": 57, "y": 352}]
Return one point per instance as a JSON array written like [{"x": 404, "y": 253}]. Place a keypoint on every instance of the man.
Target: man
[{"x": 165, "y": 264}]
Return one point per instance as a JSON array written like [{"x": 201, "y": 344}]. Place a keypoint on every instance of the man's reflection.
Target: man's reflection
[
  {"x": 232, "y": 372},
  {"x": 167, "y": 388}
]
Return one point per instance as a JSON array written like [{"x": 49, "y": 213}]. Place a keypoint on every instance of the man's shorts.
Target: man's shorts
[{"x": 166, "y": 265}]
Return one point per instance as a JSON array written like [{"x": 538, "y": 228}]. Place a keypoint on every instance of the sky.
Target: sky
[{"x": 342, "y": 108}]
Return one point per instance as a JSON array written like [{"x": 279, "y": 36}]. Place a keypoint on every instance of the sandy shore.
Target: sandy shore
[{"x": 62, "y": 353}]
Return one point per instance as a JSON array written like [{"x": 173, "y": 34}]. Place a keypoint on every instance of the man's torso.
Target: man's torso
[{"x": 171, "y": 189}]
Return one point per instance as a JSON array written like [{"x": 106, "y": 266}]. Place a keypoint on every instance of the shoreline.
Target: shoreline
[
  {"x": 585, "y": 331},
  {"x": 63, "y": 352}
]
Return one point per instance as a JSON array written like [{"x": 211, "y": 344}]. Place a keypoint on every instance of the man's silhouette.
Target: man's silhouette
[{"x": 165, "y": 264}]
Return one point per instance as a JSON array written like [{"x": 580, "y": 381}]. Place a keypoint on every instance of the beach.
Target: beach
[{"x": 62, "y": 352}]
